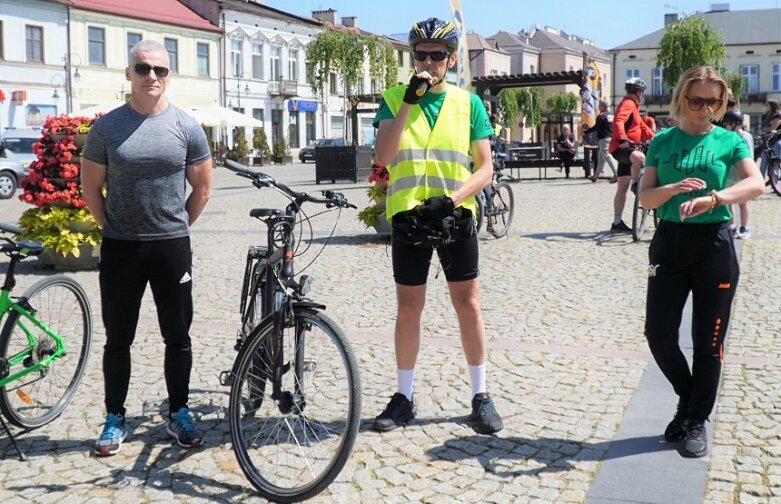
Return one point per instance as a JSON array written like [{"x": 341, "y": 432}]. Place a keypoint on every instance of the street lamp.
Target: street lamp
[
  {"x": 56, "y": 81},
  {"x": 67, "y": 65},
  {"x": 239, "y": 76}
]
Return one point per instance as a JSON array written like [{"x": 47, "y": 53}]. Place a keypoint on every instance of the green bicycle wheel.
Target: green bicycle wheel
[{"x": 39, "y": 397}]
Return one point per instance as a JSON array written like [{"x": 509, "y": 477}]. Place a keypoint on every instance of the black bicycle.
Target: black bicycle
[
  {"x": 496, "y": 203},
  {"x": 766, "y": 143},
  {"x": 295, "y": 398},
  {"x": 640, "y": 214}
]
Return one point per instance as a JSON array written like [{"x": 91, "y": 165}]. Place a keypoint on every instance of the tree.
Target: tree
[
  {"x": 344, "y": 52},
  {"x": 560, "y": 103},
  {"x": 689, "y": 42},
  {"x": 523, "y": 101},
  {"x": 735, "y": 82}
]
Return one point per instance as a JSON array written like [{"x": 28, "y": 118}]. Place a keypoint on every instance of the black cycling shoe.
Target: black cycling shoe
[
  {"x": 484, "y": 416},
  {"x": 399, "y": 411},
  {"x": 676, "y": 429},
  {"x": 696, "y": 440}
]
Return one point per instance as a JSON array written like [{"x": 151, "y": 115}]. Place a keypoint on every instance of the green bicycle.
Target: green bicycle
[{"x": 44, "y": 343}]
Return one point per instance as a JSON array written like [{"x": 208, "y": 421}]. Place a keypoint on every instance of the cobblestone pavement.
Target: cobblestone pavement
[{"x": 563, "y": 302}]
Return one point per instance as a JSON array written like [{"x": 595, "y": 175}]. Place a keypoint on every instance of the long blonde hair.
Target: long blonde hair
[{"x": 690, "y": 76}]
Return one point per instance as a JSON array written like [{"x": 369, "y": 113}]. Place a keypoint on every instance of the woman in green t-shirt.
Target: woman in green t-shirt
[{"x": 693, "y": 251}]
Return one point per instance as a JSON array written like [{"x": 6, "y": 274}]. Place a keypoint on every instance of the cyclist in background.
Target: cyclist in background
[
  {"x": 733, "y": 121},
  {"x": 629, "y": 130},
  {"x": 425, "y": 132},
  {"x": 603, "y": 129}
]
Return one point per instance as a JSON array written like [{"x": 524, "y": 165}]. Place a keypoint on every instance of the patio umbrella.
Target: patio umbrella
[
  {"x": 100, "y": 108},
  {"x": 214, "y": 115}
]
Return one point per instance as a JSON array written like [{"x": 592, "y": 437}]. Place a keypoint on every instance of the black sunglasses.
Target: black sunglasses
[
  {"x": 696, "y": 103},
  {"x": 145, "y": 68},
  {"x": 434, "y": 55}
]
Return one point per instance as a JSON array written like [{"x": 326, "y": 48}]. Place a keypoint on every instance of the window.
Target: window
[
  {"x": 774, "y": 86},
  {"x": 401, "y": 58},
  {"x": 276, "y": 63},
  {"x": 132, "y": 40},
  {"x": 531, "y": 68},
  {"x": 657, "y": 83},
  {"x": 97, "y": 46},
  {"x": 236, "y": 66},
  {"x": 202, "y": 49},
  {"x": 257, "y": 113},
  {"x": 632, "y": 73},
  {"x": 171, "y": 45},
  {"x": 257, "y": 60},
  {"x": 751, "y": 75},
  {"x": 332, "y": 84},
  {"x": 33, "y": 39},
  {"x": 292, "y": 63}
]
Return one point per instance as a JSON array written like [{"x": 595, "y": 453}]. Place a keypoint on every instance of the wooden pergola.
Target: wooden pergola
[{"x": 495, "y": 83}]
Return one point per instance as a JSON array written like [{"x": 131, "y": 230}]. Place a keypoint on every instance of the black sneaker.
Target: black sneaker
[
  {"x": 620, "y": 228},
  {"x": 676, "y": 429},
  {"x": 696, "y": 440},
  {"x": 399, "y": 411},
  {"x": 486, "y": 419}
]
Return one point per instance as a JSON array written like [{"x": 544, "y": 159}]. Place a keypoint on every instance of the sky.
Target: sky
[{"x": 609, "y": 23}]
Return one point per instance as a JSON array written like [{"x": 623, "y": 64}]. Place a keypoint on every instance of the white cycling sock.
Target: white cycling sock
[
  {"x": 404, "y": 379},
  {"x": 477, "y": 374},
  {"x": 617, "y": 219}
]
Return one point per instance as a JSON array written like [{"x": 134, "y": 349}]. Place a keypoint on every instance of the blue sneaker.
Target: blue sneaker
[
  {"x": 111, "y": 438},
  {"x": 182, "y": 428}
]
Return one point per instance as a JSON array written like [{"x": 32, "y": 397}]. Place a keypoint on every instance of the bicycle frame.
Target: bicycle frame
[{"x": 6, "y": 306}]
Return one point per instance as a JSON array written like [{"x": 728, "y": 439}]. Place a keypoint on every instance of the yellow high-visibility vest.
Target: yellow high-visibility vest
[{"x": 430, "y": 162}]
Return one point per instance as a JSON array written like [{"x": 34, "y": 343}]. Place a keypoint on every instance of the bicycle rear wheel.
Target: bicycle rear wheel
[
  {"x": 500, "y": 215},
  {"x": 293, "y": 448},
  {"x": 61, "y": 305},
  {"x": 639, "y": 220},
  {"x": 774, "y": 174},
  {"x": 480, "y": 200}
]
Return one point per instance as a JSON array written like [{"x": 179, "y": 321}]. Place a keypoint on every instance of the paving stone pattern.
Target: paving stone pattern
[{"x": 563, "y": 303}]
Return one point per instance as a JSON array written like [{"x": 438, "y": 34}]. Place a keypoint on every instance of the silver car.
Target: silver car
[{"x": 16, "y": 154}]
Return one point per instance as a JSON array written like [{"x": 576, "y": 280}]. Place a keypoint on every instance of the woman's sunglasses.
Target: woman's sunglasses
[
  {"x": 434, "y": 55},
  {"x": 145, "y": 68},
  {"x": 696, "y": 103}
]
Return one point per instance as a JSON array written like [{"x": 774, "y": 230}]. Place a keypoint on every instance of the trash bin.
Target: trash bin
[{"x": 349, "y": 162}]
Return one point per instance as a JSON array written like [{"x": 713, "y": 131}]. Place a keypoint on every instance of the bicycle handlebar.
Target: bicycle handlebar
[{"x": 259, "y": 179}]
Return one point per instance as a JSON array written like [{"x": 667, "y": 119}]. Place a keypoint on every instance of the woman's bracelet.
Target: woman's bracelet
[{"x": 714, "y": 200}]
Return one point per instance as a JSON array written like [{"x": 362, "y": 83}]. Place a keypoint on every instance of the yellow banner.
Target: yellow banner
[
  {"x": 464, "y": 77},
  {"x": 590, "y": 91}
]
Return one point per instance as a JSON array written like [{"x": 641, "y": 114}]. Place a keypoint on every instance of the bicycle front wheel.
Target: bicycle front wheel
[
  {"x": 774, "y": 174},
  {"x": 500, "y": 216},
  {"x": 639, "y": 220},
  {"x": 291, "y": 448},
  {"x": 61, "y": 305}
]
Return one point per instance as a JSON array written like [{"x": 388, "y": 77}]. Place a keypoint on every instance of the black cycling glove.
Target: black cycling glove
[
  {"x": 411, "y": 96},
  {"x": 437, "y": 207}
]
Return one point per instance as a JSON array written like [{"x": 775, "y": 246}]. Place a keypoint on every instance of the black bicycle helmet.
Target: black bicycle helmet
[
  {"x": 733, "y": 117},
  {"x": 434, "y": 30},
  {"x": 635, "y": 85}
]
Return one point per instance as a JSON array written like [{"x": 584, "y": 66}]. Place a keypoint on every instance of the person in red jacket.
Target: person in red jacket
[{"x": 629, "y": 130}]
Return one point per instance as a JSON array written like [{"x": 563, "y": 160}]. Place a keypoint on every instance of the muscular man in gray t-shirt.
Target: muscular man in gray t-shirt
[
  {"x": 144, "y": 154},
  {"x": 146, "y": 158}
]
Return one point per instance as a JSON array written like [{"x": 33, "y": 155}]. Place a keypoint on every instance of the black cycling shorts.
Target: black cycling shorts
[
  {"x": 624, "y": 170},
  {"x": 459, "y": 261},
  {"x": 622, "y": 155}
]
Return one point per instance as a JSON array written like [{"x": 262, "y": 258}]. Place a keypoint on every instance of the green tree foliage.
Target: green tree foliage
[
  {"x": 559, "y": 103},
  {"x": 260, "y": 142},
  {"x": 344, "y": 52},
  {"x": 521, "y": 101},
  {"x": 689, "y": 42},
  {"x": 735, "y": 82},
  {"x": 240, "y": 147}
]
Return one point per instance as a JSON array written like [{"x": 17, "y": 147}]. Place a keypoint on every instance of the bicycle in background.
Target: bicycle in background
[
  {"x": 639, "y": 214},
  {"x": 295, "y": 398},
  {"x": 767, "y": 141},
  {"x": 44, "y": 343},
  {"x": 496, "y": 202}
]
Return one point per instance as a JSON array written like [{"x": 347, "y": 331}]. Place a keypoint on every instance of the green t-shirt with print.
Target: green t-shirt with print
[
  {"x": 431, "y": 103},
  {"x": 677, "y": 155}
]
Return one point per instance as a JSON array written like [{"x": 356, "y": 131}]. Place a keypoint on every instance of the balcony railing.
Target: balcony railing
[
  {"x": 658, "y": 99},
  {"x": 283, "y": 87},
  {"x": 754, "y": 98}
]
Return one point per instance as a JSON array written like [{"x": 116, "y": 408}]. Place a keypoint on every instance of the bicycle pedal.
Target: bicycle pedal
[{"x": 226, "y": 378}]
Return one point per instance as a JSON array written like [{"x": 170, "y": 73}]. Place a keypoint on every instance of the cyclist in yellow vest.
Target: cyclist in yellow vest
[{"x": 426, "y": 132}]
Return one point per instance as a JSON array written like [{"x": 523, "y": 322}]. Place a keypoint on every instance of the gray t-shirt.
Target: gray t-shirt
[{"x": 146, "y": 158}]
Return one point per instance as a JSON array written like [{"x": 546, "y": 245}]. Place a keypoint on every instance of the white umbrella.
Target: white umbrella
[
  {"x": 100, "y": 108},
  {"x": 214, "y": 115}
]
